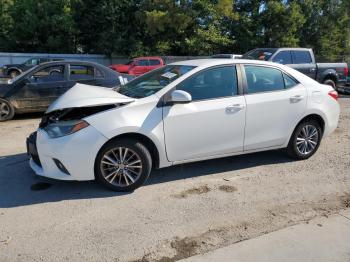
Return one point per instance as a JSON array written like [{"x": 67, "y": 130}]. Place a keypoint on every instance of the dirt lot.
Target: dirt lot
[{"x": 182, "y": 211}]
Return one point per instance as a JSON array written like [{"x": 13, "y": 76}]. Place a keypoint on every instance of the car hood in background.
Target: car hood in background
[{"x": 87, "y": 96}]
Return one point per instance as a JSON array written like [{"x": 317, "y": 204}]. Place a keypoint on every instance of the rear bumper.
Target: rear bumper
[
  {"x": 344, "y": 89},
  {"x": 341, "y": 83}
]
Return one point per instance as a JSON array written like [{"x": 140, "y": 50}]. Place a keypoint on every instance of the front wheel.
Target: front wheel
[
  {"x": 7, "y": 111},
  {"x": 305, "y": 140},
  {"x": 123, "y": 165}
]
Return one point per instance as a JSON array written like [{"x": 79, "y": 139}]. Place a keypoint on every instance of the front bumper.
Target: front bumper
[{"x": 77, "y": 152}]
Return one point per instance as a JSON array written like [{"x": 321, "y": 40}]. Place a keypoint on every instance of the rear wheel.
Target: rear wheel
[
  {"x": 330, "y": 82},
  {"x": 305, "y": 140},
  {"x": 6, "y": 110},
  {"x": 123, "y": 165},
  {"x": 14, "y": 73}
]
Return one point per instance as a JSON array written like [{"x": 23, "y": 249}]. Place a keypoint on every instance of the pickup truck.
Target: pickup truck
[
  {"x": 139, "y": 66},
  {"x": 13, "y": 70},
  {"x": 303, "y": 60}
]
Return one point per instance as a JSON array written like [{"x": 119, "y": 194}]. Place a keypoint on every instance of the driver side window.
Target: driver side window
[
  {"x": 48, "y": 74},
  {"x": 211, "y": 83}
]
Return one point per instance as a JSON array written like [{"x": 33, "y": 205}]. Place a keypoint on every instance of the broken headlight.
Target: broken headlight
[{"x": 64, "y": 128}]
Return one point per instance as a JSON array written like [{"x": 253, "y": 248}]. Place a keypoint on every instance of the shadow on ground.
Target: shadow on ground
[{"x": 20, "y": 187}]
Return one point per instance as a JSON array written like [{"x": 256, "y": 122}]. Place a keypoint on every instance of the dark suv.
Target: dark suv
[{"x": 13, "y": 70}]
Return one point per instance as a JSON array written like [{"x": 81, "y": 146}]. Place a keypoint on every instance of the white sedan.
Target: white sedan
[{"x": 183, "y": 112}]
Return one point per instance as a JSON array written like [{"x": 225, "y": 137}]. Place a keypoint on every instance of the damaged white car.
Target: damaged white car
[{"x": 183, "y": 112}]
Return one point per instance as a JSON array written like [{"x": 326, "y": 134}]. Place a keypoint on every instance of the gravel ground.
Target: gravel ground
[{"x": 181, "y": 211}]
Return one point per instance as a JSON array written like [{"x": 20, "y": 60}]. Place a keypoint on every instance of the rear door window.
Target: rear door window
[
  {"x": 283, "y": 57},
  {"x": 301, "y": 57},
  {"x": 289, "y": 82},
  {"x": 263, "y": 79},
  {"x": 81, "y": 72}
]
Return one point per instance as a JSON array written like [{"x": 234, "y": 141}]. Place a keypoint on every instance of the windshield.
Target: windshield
[
  {"x": 259, "y": 54},
  {"x": 153, "y": 81}
]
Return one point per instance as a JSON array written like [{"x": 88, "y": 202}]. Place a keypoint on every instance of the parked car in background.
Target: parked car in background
[
  {"x": 183, "y": 112},
  {"x": 229, "y": 56},
  {"x": 303, "y": 60},
  {"x": 13, "y": 70},
  {"x": 36, "y": 89},
  {"x": 139, "y": 66}
]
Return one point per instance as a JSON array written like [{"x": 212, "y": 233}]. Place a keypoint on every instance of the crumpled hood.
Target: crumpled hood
[{"x": 82, "y": 95}]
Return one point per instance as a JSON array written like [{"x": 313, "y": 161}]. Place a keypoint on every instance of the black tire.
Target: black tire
[
  {"x": 134, "y": 147},
  {"x": 14, "y": 73},
  {"x": 330, "y": 82},
  {"x": 293, "y": 150},
  {"x": 7, "y": 111}
]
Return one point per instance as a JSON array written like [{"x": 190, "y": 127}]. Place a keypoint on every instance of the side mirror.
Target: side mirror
[{"x": 180, "y": 97}]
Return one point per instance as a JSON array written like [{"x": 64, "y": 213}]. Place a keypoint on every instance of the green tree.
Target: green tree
[
  {"x": 195, "y": 27},
  {"x": 6, "y": 23},
  {"x": 42, "y": 26},
  {"x": 107, "y": 26}
]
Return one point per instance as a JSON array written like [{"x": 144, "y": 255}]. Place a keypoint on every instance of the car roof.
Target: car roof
[
  {"x": 220, "y": 61},
  {"x": 70, "y": 62},
  {"x": 147, "y": 57},
  {"x": 281, "y": 48}
]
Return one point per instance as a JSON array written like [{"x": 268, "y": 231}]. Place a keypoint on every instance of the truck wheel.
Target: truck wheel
[
  {"x": 6, "y": 110},
  {"x": 330, "y": 82},
  {"x": 14, "y": 73}
]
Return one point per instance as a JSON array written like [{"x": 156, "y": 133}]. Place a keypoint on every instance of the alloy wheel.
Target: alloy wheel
[
  {"x": 307, "y": 140},
  {"x": 121, "y": 166},
  {"x": 5, "y": 110}
]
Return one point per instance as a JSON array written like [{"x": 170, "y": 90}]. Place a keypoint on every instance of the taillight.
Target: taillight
[
  {"x": 346, "y": 71},
  {"x": 333, "y": 94}
]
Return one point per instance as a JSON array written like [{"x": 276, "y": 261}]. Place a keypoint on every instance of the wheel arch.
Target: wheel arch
[
  {"x": 9, "y": 70},
  {"x": 330, "y": 76},
  {"x": 315, "y": 117},
  {"x": 146, "y": 141}
]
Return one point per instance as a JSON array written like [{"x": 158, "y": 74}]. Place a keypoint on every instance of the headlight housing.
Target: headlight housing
[{"x": 64, "y": 128}]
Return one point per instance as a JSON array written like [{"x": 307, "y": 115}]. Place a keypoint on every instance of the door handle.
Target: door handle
[
  {"x": 296, "y": 98},
  {"x": 312, "y": 70},
  {"x": 234, "y": 108}
]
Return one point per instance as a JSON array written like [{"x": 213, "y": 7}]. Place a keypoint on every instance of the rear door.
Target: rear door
[
  {"x": 303, "y": 62},
  {"x": 275, "y": 102},
  {"x": 42, "y": 87}
]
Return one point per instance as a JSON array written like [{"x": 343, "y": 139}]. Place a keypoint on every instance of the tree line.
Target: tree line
[{"x": 174, "y": 27}]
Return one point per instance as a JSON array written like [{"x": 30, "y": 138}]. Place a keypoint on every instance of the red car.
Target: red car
[{"x": 139, "y": 66}]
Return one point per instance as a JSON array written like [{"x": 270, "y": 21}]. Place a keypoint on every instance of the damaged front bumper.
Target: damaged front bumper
[{"x": 70, "y": 157}]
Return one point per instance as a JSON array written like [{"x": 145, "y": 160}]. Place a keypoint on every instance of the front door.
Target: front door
[
  {"x": 41, "y": 88},
  {"x": 210, "y": 125},
  {"x": 275, "y": 102}
]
